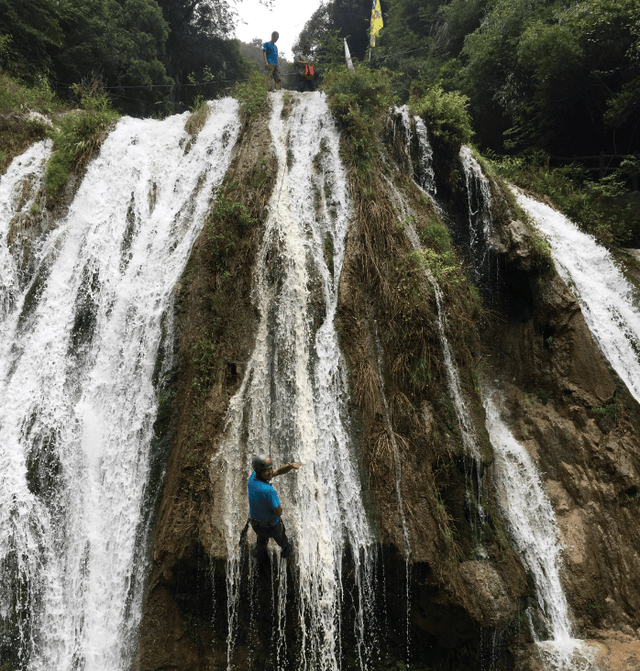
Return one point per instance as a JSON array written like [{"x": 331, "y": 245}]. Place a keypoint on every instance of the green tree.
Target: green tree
[
  {"x": 330, "y": 24},
  {"x": 35, "y": 30},
  {"x": 462, "y": 17},
  {"x": 198, "y": 39},
  {"x": 121, "y": 42},
  {"x": 553, "y": 74}
]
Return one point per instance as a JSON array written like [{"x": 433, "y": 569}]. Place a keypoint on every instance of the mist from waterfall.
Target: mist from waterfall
[
  {"x": 605, "y": 296},
  {"x": 85, "y": 338},
  {"x": 291, "y": 404}
]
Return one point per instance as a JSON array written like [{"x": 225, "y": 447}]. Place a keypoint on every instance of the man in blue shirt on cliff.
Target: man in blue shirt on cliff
[
  {"x": 264, "y": 506},
  {"x": 270, "y": 55}
]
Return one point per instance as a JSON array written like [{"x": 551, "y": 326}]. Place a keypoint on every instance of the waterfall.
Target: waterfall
[
  {"x": 605, "y": 296},
  {"x": 396, "y": 454},
  {"x": 425, "y": 153},
  {"x": 18, "y": 188},
  {"x": 80, "y": 358},
  {"x": 424, "y": 173},
  {"x": 463, "y": 416},
  {"x": 534, "y": 531},
  {"x": 291, "y": 402},
  {"x": 478, "y": 235}
]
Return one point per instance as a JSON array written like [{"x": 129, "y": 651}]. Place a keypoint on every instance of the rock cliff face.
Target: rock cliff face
[
  {"x": 579, "y": 422},
  {"x": 526, "y": 337}
]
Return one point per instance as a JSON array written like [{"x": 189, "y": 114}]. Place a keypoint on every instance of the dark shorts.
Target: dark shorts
[
  {"x": 277, "y": 532},
  {"x": 274, "y": 71}
]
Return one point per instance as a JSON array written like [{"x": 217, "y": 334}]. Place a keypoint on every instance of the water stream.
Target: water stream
[
  {"x": 398, "y": 485},
  {"x": 292, "y": 399},
  {"x": 605, "y": 296},
  {"x": 86, "y": 335},
  {"x": 79, "y": 372},
  {"x": 533, "y": 529},
  {"x": 479, "y": 233}
]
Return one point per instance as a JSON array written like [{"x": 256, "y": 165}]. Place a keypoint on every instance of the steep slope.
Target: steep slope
[
  {"x": 443, "y": 569},
  {"x": 567, "y": 406},
  {"x": 350, "y": 319}
]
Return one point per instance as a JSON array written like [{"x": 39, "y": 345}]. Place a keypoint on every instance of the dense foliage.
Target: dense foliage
[
  {"x": 333, "y": 21},
  {"x": 148, "y": 53},
  {"x": 562, "y": 76},
  {"x": 361, "y": 100},
  {"x": 556, "y": 82}
]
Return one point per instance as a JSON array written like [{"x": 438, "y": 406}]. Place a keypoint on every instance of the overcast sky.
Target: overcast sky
[{"x": 287, "y": 17}]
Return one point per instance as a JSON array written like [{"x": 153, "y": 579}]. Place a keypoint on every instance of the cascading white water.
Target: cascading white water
[
  {"x": 18, "y": 188},
  {"x": 425, "y": 175},
  {"x": 463, "y": 416},
  {"x": 78, "y": 350},
  {"x": 532, "y": 526},
  {"x": 425, "y": 156},
  {"x": 291, "y": 401},
  {"x": 478, "y": 236},
  {"x": 465, "y": 423},
  {"x": 605, "y": 296},
  {"x": 396, "y": 454},
  {"x": 478, "y": 194}
]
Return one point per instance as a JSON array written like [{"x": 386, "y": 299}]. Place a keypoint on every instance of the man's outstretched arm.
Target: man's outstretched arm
[{"x": 285, "y": 469}]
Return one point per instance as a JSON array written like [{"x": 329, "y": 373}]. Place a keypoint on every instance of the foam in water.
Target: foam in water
[
  {"x": 605, "y": 296},
  {"x": 291, "y": 401},
  {"x": 533, "y": 529},
  {"x": 77, "y": 396}
]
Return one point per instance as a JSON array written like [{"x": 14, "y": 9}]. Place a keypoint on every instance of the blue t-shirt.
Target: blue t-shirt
[
  {"x": 272, "y": 52},
  {"x": 263, "y": 499}
]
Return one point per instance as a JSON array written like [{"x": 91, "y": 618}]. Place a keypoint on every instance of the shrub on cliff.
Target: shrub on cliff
[
  {"x": 79, "y": 135},
  {"x": 445, "y": 112},
  {"x": 360, "y": 99},
  {"x": 24, "y": 113},
  {"x": 252, "y": 94}
]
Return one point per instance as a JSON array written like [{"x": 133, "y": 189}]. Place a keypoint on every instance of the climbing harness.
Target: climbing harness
[{"x": 308, "y": 71}]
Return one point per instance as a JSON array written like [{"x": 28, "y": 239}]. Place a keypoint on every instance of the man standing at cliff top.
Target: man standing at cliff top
[
  {"x": 270, "y": 55},
  {"x": 264, "y": 506}
]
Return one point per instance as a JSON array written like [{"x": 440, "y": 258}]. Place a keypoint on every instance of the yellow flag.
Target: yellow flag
[{"x": 376, "y": 21}]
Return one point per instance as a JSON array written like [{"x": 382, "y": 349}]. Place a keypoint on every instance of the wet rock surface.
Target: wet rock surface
[
  {"x": 570, "y": 411},
  {"x": 562, "y": 402}
]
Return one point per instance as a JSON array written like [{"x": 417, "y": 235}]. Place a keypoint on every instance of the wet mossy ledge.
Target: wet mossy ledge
[{"x": 214, "y": 337}]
